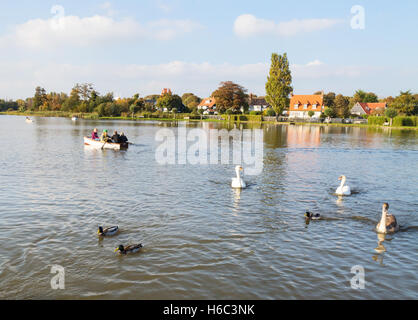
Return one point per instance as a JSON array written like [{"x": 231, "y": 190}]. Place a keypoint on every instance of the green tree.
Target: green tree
[
  {"x": 169, "y": 102},
  {"x": 72, "y": 103},
  {"x": 364, "y": 97},
  {"x": 391, "y": 113},
  {"x": 311, "y": 114},
  {"x": 329, "y": 100},
  {"x": 406, "y": 103},
  {"x": 279, "y": 84},
  {"x": 329, "y": 112},
  {"x": 231, "y": 96}
]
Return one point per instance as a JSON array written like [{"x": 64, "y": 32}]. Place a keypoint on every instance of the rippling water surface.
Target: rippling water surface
[{"x": 202, "y": 240}]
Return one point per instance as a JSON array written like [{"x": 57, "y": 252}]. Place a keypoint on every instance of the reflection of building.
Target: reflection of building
[
  {"x": 303, "y": 136},
  {"x": 368, "y": 108},
  {"x": 300, "y": 105},
  {"x": 208, "y": 106},
  {"x": 257, "y": 103}
]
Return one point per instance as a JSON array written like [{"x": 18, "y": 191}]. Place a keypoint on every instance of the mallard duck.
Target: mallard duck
[
  {"x": 107, "y": 232},
  {"x": 388, "y": 223},
  {"x": 134, "y": 248},
  {"x": 311, "y": 216}
]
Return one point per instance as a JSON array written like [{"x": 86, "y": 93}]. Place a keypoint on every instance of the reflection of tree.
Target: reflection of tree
[{"x": 275, "y": 136}]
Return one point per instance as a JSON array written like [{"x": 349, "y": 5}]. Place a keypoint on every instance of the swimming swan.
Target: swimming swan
[
  {"x": 388, "y": 223},
  {"x": 343, "y": 190},
  {"x": 237, "y": 182}
]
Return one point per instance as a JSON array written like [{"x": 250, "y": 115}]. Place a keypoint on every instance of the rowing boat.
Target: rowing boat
[{"x": 102, "y": 145}]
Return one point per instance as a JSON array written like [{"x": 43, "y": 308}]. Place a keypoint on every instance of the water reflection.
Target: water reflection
[
  {"x": 303, "y": 136},
  {"x": 57, "y": 192},
  {"x": 237, "y": 198},
  {"x": 380, "y": 239},
  {"x": 380, "y": 249}
]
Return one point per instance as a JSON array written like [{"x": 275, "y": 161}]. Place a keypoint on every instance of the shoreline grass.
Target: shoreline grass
[{"x": 63, "y": 114}]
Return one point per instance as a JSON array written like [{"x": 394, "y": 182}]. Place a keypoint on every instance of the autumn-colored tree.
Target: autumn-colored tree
[
  {"x": 230, "y": 96},
  {"x": 39, "y": 98},
  {"x": 279, "y": 83},
  {"x": 341, "y": 106},
  {"x": 190, "y": 100}
]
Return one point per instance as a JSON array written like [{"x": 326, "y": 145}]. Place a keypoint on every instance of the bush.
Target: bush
[
  {"x": 377, "y": 121},
  {"x": 270, "y": 113},
  {"x": 405, "y": 121},
  {"x": 255, "y": 113}
]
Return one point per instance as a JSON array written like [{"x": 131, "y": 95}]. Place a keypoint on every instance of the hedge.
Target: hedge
[
  {"x": 399, "y": 121},
  {"x": 405, "y": 121},
  {"x": 379, "y": 121}
]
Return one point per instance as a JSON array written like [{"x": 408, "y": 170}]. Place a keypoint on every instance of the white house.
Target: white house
[{"x": 300, "y": 105}]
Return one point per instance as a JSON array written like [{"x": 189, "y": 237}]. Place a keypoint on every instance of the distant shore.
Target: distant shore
[{"x": 62, "y": 114}]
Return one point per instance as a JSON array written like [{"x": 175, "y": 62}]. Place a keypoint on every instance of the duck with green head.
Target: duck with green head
[
  {"x": 311, "y": 216},
  {"x": 134, "y": 248}
]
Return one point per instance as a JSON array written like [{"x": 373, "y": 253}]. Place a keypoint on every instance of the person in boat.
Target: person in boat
[
  {"x": 116, "y": 137},
  {"x": 94, "y": 135},
  {"x": 105, "y": 137},
  {"x": 123, "y": 138}
]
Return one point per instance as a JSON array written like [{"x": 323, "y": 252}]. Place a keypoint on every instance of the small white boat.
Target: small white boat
[
  {"x": 28, "y": 120},
  {"x": 74, "y": 118},
  {"x": 104, "y": 145}
]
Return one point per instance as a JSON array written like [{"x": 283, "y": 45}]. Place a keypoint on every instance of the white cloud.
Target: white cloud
[
  {"x": 76, "y": 31},
  {"x": 107, "y": 6},
  {"x": 164, "y": 6},
  {"x": 248, "y": 25},
  {"x": 201, "y": 78}
]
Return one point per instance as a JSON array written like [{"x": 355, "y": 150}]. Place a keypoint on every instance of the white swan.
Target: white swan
[
  {"x": 388, "y": 223},
  {"x": 237, "y": 182},
  {"x": 343, "y": 190}
]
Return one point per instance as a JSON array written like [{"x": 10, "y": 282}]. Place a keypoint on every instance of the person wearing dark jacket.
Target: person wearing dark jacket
[
  {"x": 123, "y": 138},
  {"x": 116, "y": 137}
]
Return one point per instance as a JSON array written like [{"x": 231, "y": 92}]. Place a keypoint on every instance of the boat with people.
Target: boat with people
[
  {"x": 97, "y": 144},
  {"x": 28, "y": 120},
  {"x": 74, "y": 118}
]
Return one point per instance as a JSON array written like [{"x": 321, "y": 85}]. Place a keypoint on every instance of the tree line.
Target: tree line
[{"x": 231, "y": 98}]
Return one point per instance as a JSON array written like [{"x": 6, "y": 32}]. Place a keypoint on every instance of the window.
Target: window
[
  {"x": 314, "y": 106},
  {"x": 305, "y": 106}
]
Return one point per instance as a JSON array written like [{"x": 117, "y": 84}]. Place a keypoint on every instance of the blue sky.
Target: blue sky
[{"x": 190, "y": 46}]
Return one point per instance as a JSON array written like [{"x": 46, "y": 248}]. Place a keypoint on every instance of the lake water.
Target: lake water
[{"x": 203, "y": 240}]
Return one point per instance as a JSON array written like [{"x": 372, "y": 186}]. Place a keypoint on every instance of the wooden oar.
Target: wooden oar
[{"x": 104, "y": 144}]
